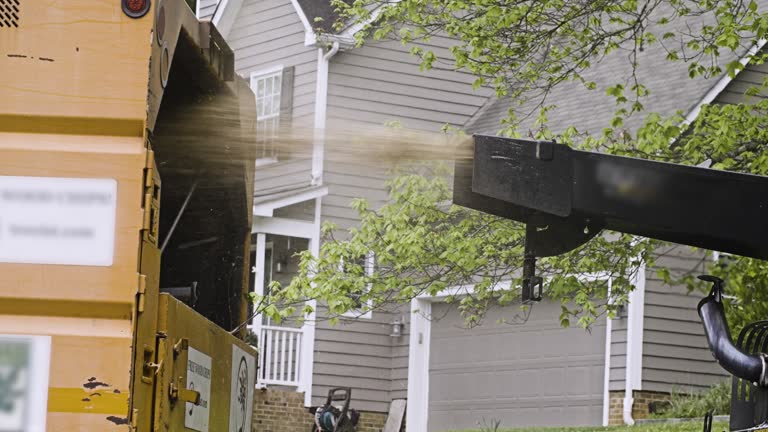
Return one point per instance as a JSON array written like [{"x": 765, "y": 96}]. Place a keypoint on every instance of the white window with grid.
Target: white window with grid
[
  {"x": 362, "y": 310},
  {"x": 267, "y": 86}
]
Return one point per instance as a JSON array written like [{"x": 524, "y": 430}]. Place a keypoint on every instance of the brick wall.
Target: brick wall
[
  {"x": 283, "y": 411},
  {"x": 280, "y": 411},
  {"x": 642, "y": 400},
  {"x": 371, "y": 421}
]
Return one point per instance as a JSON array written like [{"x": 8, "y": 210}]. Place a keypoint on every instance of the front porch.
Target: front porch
[{"x": 284, "y": 224}]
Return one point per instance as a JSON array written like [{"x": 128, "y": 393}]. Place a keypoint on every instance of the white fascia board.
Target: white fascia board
[
  {"x": 284, "y": 227},
  {"x": 225, "y": 15},
  {"x": 352, "y": 30},
  {"x": 310, "y": 38},
  {"x": 266, "y": 209},
  {"x": 721, "y": 84},
  {"x": 302, "y": 16}
]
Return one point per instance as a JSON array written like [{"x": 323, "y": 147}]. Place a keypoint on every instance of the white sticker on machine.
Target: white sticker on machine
[
  {"x": 241, "y": 390},
  {"x": 53, "y": 220},
  {"x": 24, "y": 368},
  {"x": 198, "y": 379}
]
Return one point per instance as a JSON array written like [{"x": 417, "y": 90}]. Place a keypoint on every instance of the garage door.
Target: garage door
[{"x": 532, "y": 374}]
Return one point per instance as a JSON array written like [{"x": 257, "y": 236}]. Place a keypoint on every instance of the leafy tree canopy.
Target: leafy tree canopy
[{"x": 524, "y": 49}]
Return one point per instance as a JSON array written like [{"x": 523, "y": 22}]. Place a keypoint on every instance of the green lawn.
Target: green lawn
[{"x": 693, "y": 426}]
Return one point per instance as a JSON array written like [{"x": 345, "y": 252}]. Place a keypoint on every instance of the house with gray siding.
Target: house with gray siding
[{"x": 531, "y": 374}]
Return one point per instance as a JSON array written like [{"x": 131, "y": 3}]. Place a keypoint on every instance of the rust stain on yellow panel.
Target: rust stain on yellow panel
[
  {"x": 90, "y": 363},
  {"x": 78, "y": 400}
]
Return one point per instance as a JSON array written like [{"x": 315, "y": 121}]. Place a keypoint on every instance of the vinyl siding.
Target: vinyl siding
[
  {"x": 399, "y": 377},
  {"x": 206, "y": 9},
  {"x": 282, "y": 176},
  {"x": 358, "y": 352},
  {"x": 375, "y": 84},
  {"x": 675, "y": 351},
  {"x": 618, "y": 352},
  {"x": 381, "y": 82},
  {"x": 752, "y": 76},
  {"x": 347, "y": 182},
  {"x": 266, "y": 34}
]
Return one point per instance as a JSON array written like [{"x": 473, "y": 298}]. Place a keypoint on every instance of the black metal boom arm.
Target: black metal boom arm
[{"x": 567, "y": 196}]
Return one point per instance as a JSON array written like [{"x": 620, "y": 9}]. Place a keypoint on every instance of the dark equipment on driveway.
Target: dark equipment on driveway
[
  {"x": 332, "y": 418},
  {"x": 566, "y": 197}
]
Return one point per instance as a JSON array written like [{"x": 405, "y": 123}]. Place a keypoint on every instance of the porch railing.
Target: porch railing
[{"x": 279, "y": 355}]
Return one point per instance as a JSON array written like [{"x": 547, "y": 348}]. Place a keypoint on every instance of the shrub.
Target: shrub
[{"x": 695, "y": 405}]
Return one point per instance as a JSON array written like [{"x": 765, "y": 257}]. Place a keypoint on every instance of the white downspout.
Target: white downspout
[
  {"x": 607, "y": 370},
  {"x": 321, "y": 99},
  {"x": 321, "y": 103},
  {"x": 634, "y": 366}
]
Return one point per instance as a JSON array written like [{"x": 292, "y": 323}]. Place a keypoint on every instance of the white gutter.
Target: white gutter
[
  {"x": 634, "y": 362},
  {"x": 321, "y": 103},
  {"x": 607, "y": 370}
]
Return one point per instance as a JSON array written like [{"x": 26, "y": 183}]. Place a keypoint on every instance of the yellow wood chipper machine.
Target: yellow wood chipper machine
[{"x": 126, "y": 185}]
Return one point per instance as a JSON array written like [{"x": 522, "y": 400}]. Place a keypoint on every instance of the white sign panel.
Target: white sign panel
[
  {"x": 24, "y": 365},
  {"x": 50, "y": 220},
  {"x": 241, "y": 388},
  {"x": 198, "y": 379}
]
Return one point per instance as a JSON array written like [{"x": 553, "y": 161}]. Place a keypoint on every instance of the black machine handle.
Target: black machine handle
[{"x": 728, "y": 356}]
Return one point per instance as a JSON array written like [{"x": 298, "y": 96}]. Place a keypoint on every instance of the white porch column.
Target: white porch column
[
  {"x": 258, "y": 286},
  {"x": 417, "y": 412},
  {"x": 308, "y": 336}
]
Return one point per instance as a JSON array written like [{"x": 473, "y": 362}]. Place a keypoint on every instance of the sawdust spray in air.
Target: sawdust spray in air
[{"x": 215, "y": 129}]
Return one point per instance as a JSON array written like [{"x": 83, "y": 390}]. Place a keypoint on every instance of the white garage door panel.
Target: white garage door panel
[{"x": 535, "y": 374}]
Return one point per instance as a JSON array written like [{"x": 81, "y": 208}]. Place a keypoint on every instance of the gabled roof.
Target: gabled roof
[
  {"x": 321, "y": 10},
  {"x": 591, "y": 111}
]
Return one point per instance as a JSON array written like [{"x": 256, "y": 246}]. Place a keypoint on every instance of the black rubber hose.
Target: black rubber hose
[{"x": 728, "y": 355}]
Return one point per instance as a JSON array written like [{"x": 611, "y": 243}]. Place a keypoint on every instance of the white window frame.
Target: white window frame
[
  {"x": 370, "y": 263},
  {"x": 256, "y": 76}
]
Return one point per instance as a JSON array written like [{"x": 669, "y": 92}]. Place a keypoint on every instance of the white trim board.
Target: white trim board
[
  {"x": 308, "y": 339},
  {"x": 284, "y": 227},
  {"x": 225, "y": 15},
  {"x": 302, "y": 16},
  {"x": 607, "y": 367},
  {"x": 266, "y": 71},
  {"x": 266, "y": 208}
]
